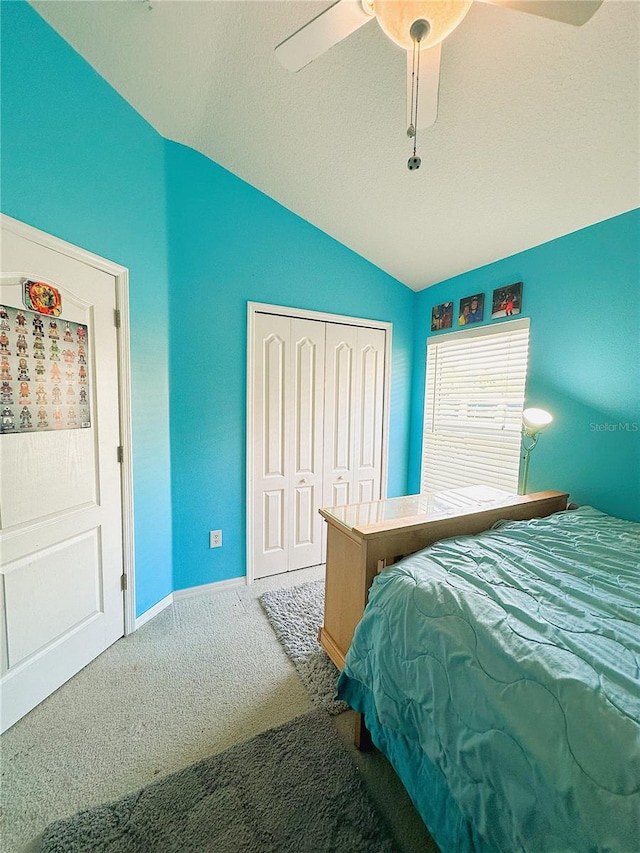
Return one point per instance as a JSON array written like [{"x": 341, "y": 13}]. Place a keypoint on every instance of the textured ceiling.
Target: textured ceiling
[{"x": 537, "y": 135}]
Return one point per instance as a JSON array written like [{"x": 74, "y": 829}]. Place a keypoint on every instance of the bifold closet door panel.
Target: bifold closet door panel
[
  {"x": 306, "y": 403},
  {"x": 339, "y": 386},
  {"x": 368, "y": 406},
  {"x": 287, "y": 452},
  {"x": 354, "y": 407},
  {"x": 271, "y": 437}
]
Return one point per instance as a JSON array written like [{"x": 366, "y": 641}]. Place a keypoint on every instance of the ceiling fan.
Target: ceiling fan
[{"x": 419, "y": 27}]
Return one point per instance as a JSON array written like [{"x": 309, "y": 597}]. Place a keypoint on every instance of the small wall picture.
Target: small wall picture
[
  {"x": 442, "y": 316},
  {"x": 507, "y": 301},
  {"x": 42, "y": 297},
  {"x": 471, "y": 309}
]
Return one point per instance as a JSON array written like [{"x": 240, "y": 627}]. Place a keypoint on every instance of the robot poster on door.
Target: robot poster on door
[{"x": 44, "y": 377}]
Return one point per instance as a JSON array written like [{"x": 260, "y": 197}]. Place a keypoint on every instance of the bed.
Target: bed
[{"x": 500, "y": 674}]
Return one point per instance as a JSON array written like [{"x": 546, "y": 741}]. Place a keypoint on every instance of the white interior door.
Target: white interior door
[
  {"x": 287, "y": 428},
  {"x": 271, "y": 436},
  {"x": 61, "y": 602},
  {"x": 306, "y": 406},
  {"x": 368, "y": 406},
  {"x": 354, "y": 406},
  {"x": 340, "y": 373}
]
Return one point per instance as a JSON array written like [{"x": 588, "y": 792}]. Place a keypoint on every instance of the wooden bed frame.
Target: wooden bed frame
[{"x": 357, "y": 553}]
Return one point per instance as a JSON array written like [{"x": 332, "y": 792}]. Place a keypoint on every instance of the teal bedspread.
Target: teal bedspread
[{"x": 501, "y": 675}]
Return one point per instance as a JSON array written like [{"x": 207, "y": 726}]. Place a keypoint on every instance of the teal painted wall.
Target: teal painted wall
[
  {"x": 229, "y": 245},
  {"x": 582, "y": 293},
  {"x": 80, "y": 163},
  {"x": 93, "y": 172}
]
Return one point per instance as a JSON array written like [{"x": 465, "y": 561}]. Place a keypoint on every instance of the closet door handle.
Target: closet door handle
[
  {"x": 302, "y": 482},
  {"x": 340, "y": 478}
]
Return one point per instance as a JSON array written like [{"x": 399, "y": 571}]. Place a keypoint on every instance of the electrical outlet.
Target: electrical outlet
[{"x": 215, "y": 539}]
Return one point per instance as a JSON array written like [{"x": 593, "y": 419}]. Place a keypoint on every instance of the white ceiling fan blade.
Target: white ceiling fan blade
[
  {"x": 328, "y": 28},
  {"x": 429, "y": 85},
  {"x": 576, "y": 12}
]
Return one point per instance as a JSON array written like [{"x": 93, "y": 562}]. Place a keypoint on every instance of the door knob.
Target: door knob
[
  {"x": 340, "y": 478},
  {"x": 302, "y": 481}
]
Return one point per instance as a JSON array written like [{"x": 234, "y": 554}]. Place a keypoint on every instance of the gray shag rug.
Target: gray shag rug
[
  {"x": 291, "y": 789},
  {"x": 296, "y": 615}
]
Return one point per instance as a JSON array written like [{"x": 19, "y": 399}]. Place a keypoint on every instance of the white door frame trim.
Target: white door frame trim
[
  {"x": 121, "y": 276},
  {"x": 254, "y": 308}
]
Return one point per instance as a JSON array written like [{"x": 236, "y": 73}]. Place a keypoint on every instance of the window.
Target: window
[{"x": 474, "y": 398}]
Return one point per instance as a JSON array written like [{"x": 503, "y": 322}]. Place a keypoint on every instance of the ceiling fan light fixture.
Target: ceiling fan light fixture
[{"x": 397, "y": 16}]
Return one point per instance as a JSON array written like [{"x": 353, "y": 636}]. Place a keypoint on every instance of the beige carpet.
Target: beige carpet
[{"x": 205, "y": 674}]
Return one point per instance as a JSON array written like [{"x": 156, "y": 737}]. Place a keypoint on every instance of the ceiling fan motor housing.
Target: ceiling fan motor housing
[
  {"x": 420, "y": 30},
  {"x": 396, "y": 17}
]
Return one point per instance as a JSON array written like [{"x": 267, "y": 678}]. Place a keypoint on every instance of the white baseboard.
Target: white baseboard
[
  {"x": 203, "y": 589},
  {"x": 217, "y": 586},
  {"x": 153, "y": 611}
]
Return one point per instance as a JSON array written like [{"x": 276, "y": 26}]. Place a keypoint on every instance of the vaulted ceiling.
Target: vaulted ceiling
[{"x": 537, "y": 133}]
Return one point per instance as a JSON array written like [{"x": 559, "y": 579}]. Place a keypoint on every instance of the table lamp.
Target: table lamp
[{"x": 533, "y": 422}]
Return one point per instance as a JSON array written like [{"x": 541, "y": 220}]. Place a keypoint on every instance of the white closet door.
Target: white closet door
[
  {"x": 316, "y": 432},
  {"x": 271, "y": 440},
  {"x": 368, "y": 406},
  {"x": 288, "y": 405},
  {"x": 341, "y": 346},
  {"x": 306, "y": 443},
  {"x": 354, "y": 406}
]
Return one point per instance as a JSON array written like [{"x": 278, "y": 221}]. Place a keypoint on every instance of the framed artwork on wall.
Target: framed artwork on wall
[
  {"x": 507, "y": 301},
  {"x": 471, "y": 309},
  {"x": 442, "y": 316}
]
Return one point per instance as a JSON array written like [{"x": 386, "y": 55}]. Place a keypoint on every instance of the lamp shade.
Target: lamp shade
[
  {"x": 535, "y": 420},
  {"x": 396, "y": 17}
]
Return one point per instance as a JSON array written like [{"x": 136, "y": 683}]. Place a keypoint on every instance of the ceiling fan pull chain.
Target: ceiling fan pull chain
[
  {"x": 414, "y": 161},
  {"x": 411, "y": 130},
  {"x": 415, "y": 117}
]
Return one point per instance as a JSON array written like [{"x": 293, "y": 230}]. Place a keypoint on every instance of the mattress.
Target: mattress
[{"x": 501, "y": 675}]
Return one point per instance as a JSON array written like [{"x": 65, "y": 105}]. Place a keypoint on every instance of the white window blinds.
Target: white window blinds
[{"x": 474, "y": 398}]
